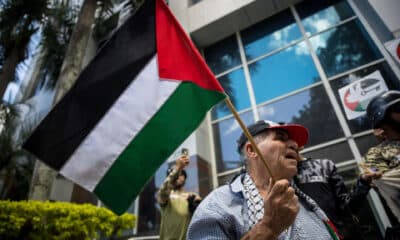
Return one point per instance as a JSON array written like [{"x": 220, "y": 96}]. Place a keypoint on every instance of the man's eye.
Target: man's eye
[{"x": 281, "y": 137}]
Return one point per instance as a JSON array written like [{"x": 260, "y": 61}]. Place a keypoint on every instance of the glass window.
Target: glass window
[
  {"x": 283, "y": 72},
  {"x": 273, "y": 33},
  {"x": 349, "y": 175},
  {"x": 149, "y": 211},
  {"x": 319, "y": 15},
  {"x": 361, "y": 123},
  {"x": 226, "y": 133},
  {"x": 192, "y": 2},
  {"x": 310, "y": 108},
  {"x": 365, "y": 142},
  {"x": 339, "y": 152},
  {"x": 235, "y": 86},
  {"x": 366, "y": 227},
  {"x": 223, "y": 55},
  {"x": 343, "y": 48}
]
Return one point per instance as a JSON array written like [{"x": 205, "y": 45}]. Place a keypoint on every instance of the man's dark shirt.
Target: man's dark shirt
[{"x": 318, "y": 178}]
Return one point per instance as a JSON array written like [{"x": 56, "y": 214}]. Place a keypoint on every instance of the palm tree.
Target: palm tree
[
  {"x": 19, "y": 20},
  {"x": 56, "y": 34},
  {"x": 14, "y": 162},
  {"x": 71, "y": 67}
]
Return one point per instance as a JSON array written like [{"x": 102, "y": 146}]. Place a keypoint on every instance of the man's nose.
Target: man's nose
[{"x": 290, "y": 143}]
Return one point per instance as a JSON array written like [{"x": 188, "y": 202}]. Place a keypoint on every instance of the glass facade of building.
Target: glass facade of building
[{"x": 289, "y": 68}]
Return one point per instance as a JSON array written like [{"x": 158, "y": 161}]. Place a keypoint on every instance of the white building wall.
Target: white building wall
[
  {"x": 211, "y": 20},
  {"x": 388, "y": 10}
]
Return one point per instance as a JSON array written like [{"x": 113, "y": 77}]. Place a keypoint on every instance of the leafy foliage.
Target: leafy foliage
[
  {"x": 108, "y": 17},
  {"x": 57, "y": 29},
  {"x": 15, "y": 165},
  {"x": 59, "y": 220},
  {"x": 19, "y": 19}
]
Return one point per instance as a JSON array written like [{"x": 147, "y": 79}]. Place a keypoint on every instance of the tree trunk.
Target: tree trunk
[
  {"x": 76, "y": 50},
  {"x": 8, "y": 71},
  {"x": 44, "y": 176},
  {"x": 8, "y": 183}
]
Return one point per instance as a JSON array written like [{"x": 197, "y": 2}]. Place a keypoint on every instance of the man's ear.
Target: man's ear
[{"x": 250, "y": 152}]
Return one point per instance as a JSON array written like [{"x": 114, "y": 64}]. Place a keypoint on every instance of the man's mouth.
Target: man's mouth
[{"x": 291, "y": 155}]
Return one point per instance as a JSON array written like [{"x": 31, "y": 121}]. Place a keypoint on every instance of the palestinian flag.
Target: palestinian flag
[{"x": 141, "y": 96}]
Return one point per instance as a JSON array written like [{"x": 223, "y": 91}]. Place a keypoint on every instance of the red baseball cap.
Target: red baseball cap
[{"x": 296, "y": 132}]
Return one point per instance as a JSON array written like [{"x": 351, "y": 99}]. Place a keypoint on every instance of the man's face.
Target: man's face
[
  {"x": 390, "y": 130},
  {"x": 281, "y": 154},
  {"x": 395, "y": 116},
  {"x": 390, "y": 133}
]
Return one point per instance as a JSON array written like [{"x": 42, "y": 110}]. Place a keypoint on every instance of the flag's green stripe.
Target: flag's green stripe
[{"x": 167, "y": 129}]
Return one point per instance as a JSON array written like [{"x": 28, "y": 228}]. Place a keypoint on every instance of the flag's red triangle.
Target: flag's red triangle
[{"x": 178, "y": 58}]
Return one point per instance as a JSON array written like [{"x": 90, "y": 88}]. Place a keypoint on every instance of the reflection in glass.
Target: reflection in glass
[
  {"x": 192, "y": 2},
  {"x": 339, "y": 152},
  {"x": 319, "y": 15},
  {"x": 226, "y": 133},
  {"x": 283, "y": 72},
  {"x": 223, "y": 55},
  {"x": 149, "y": 211},
  {"x": 366, "y": 142},
  {"x": 361, "y": 123},
  {"x": 349, "y": 175},
  {"x": 276, "y": 32},
  {"x": 310, "y": 108},
  {"x": 235, "y": 86},
  {"x": 343, "y": 48},
  {"x": 367, "y": 224}
]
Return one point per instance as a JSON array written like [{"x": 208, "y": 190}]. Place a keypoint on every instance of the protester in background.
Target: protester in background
[
  {"x": 252, "y": 206},
  {"x": 319, "y": 179},
  {"x": 177, "y": 205},
  {"x": 383, "y": 112}
]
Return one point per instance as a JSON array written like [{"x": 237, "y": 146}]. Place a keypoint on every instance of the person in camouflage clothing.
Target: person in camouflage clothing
[
  {"x": 384, "y": 114},
  {"x": 383, "y": 157}
]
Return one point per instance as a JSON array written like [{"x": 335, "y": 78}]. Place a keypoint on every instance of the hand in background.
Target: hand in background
[
  {"x": 369, "y": 176},
  {"x": 182, "y": 162},
  {"x": 193, "y": 201},
  {"x": 379, "y": 133}
]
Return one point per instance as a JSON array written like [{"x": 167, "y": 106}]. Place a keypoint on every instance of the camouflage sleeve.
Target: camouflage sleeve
[
  {"x": 166, "y": 187},
  {"x": 374, "y": 159}
]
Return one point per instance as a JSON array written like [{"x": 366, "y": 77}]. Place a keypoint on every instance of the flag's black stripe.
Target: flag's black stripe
[{"x": 101, "y": 83}]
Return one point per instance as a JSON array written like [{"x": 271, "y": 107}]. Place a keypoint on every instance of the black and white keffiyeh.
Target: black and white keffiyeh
[{"x": 255, "y": 205}]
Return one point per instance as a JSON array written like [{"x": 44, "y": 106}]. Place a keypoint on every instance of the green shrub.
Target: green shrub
[{"x": 59, "y": 220}]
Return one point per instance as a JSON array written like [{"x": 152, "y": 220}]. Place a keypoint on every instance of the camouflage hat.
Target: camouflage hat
[{"x": 378, "y": 106}]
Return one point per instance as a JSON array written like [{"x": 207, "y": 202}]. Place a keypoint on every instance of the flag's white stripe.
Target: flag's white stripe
[{"x": 139, "y": 102}]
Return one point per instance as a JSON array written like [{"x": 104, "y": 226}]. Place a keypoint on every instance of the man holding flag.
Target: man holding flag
[{"x": 253, "y": 206}]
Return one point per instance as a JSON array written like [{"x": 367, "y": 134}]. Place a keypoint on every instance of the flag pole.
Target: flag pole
[{"x": 248, "y": 135}]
